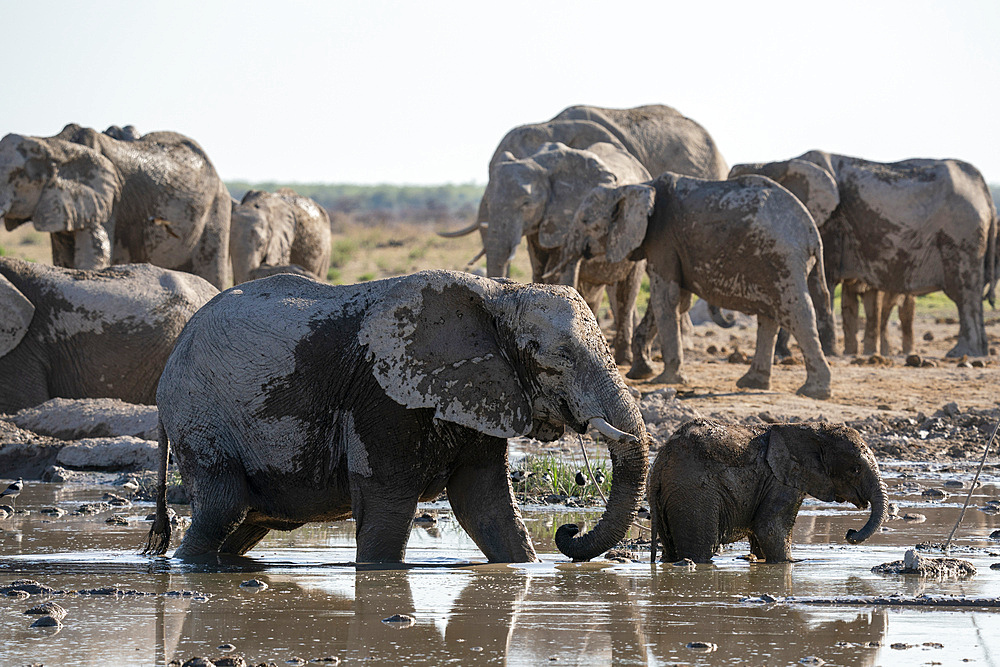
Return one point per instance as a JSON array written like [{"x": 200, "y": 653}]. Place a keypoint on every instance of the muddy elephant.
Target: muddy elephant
[
  {"x": 713, "y": 484},
  {"x": 878, "y": 308},
  {"x": 104, "y": 201},
  {"x": 745, "y": 244},
  {"x": 909, "y": 227},
  {"x": 288, "y": 401},
  {"x": 658, "y": 136},
  {"x": 279, "y": 229},
  {"x": 89, "y": 334},
  {"x": 537, "y": 196}
]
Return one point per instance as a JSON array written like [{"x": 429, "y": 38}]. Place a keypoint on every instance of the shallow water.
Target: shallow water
[{"x": 597, "y": 613}]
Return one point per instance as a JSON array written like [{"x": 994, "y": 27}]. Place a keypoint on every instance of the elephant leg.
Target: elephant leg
[
  {"x": 849, "y": 314},
  {"x": 642, "y": 339},
  {"x": 210, "y": 258},
  {"x": 383, "y": 518},
  {"x": 62, "y": 249},
  {"x": 972, "y": 339},
  {"x": 623, "y": 306},
  {"x": 244, "y": 538},
  {"x": 759, "y": 375},
  {"x": 781, "y": 349},
  {"x": 693, "y": 534},
  {"x": 890, "y": 300},
  {"x": 822, "y": 304},
  {"x": 873, "y": 317},
  {"x": 664, "y": 299},
  {"x": 755, "y": 548},
  {"x": 907, "y": 309},
  {"x": 219, "y": 507},
  {"x": 802, "y": 324},
  {"x": 592, "y": 294},
  {"x": 91, "y": 249},
  {"x": 481, "y": 495},
  {"x": 772, "y": 527}
]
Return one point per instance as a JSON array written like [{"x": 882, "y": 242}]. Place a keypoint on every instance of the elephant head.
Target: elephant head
[
  {"x": 831, "y": 463},
  {"x": 808, "y": 177},
  {"x": 609, "y": 223},
  {"x": 261, "y": 233},
  {"x": 16, "y": 312},
  {"x": 511, "y": 360},
  {"x": 61, "y": 187}
]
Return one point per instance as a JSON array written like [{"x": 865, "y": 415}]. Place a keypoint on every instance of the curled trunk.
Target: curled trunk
[
  {"x": 629, "y": 464},
  {"x": 720, "y": 318},
  {"x": 879, "y": 511}
]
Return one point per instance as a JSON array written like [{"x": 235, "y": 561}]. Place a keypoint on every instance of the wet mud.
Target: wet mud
[{"x": 120, "y": 608}]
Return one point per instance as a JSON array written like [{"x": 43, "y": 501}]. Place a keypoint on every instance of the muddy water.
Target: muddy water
[{"x": 554, "y": 612}]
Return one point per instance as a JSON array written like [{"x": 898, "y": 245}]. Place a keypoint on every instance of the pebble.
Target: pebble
[
  {"x": 914, "y": 361},
  {"x": 399, "y": 620},
  {"x": 52, "y": 511},
  {"x": 295, "y": 661},
  {"x": 48, "y": 609},
  {"x": 702, "y": 647},
  {"x": 995, "y": 566},
  {"x": 914, "y": 517},
  {"x": 934, "y": 493},
  {"x": 685, "y": 562},
  {"x": 254, "y": 583},
  {"x": 330, "y": 660},
  {"x": 425, "y": 519},
  {"x": 955, "y": 484},
  {"x": 226, "y": 648},
  {"x": 47, "y": 621},
  {"x": 231, "y": 661},
  {"x": 995, "y": 535},
  {"x": 812, "y": 660},
  {"x": 199, "y": 662}
]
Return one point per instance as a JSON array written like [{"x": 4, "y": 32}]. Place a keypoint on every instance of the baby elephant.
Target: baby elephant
[{"x": 713, "y": 484}]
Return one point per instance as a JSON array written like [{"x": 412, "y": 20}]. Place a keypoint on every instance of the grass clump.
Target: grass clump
[{"x": 541, "y": 476}]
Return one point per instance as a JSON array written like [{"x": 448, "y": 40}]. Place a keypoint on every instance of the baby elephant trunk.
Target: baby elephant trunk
[{"x": 880, "y": 510}]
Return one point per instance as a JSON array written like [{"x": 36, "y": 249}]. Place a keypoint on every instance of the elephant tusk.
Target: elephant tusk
[
  {"x": 477, "y": 257},
  {"x": 462, "y": 232},
  {"x": 609, "y": 431}
]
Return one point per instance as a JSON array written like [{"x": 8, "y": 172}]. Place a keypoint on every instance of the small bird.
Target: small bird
[
  {"x": 599, "y": 477},
  {"x": 130, "y": 487},
  {"x": 643, "y": 513},
  {"x": 518, "y": 476},
  {"x": 13, "y": 491},
  {"x": 581, "y": 480}
]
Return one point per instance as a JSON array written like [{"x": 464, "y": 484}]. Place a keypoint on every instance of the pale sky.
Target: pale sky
[{"x": 371, "y": 91}]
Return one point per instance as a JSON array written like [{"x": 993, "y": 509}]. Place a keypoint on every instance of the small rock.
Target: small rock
[
  {"x": 425, "y": 519},
  {"x": 295, "y": 661},
  {"x": 47, "y": 621},
  {"x": 790, "y": 361},
  {"x": 900, "y": 646},
  {"x": 711, "y": 349},
  {"x": 955, "y": 484},
  {"x": 48, "y": 609},
  {"x": 963, "y": 364},
  {"x": 928, "y": 336},
  {"x": 684, "y": 562},
  {"x": 330, "y": 660},
  {"x": 399, "y": 620},
  {"x": 52, "y": 511},
  {"x": 995, "y": 535},
  {"x": 928, "y": 363},
  {"x": 231, "y": 661},
  {"x": 59, "y": 474},
  {"x": 914, "y": 517},
  {"x": 995, "y": 566},
  {"x": 254, "y": 583},
  {"x": 951, "y": 409},
  {"x": 978, "y": 363},
  {"x": 880, "y": 406},
  {"x": 937, "y": 494},
  {"x": 738, "y": 357},
  {"x": 812, "y": 660},
  {"x": 914, "y": 360},
  {"x": 117, "y": 520},
  {"x": 227, "y": 648},
  {"x": 702, "y": 647},
  {"x": 199, "y": 662}
]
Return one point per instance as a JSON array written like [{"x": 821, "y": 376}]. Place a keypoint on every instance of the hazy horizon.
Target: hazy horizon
[{"x": 420, "y": 94}]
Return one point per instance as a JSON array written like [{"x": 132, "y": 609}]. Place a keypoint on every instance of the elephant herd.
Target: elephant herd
[{"x": 285, "y": 400}]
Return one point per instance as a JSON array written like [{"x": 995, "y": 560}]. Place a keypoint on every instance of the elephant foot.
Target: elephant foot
[
  {"x": 751, "y": 380},
  {"x": 624, "y": 357},
  {"x": 850, "y": 349},
  {"x": 964, "y": 348},
  {"x": 667, "y": 377},
  {"x": 640, "y": 370},
  {"x": 812, "y": 390}
]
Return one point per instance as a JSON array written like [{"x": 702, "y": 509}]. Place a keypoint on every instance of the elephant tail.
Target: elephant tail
[
  {"x": 993, "y": 260},
  {"x": 159, "y": 534}
]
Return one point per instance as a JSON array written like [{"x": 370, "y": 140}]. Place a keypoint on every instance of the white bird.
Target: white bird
[{"x": 13, "y": 491}]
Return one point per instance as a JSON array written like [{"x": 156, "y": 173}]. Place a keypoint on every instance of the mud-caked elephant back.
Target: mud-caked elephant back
[
  {"x": 434, "y": 343},
  {"x": 16, "y": 312}
]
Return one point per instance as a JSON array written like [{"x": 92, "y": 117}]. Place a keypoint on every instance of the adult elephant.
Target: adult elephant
[
  {"x": 89, "y": 334},
  {"x": 288, "y": 401},
  {"x": 273, "y": 229},
  {"x": 107, "y": 201},
  {"x": 659, "y": 137},
  {"x": 538, "y": 195},
  {"x": 909, "y": 227},
  {"x": 745, "y": 244}
]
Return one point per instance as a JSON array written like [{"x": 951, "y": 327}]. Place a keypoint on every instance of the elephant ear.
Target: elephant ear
[
  {"x": 629, "y": 218},
  {"x": 813, "y": 186},
  {"x": 81, "y": 192},
  {"x": 433, "y": 343},
  {"x": 572, "y": 173},
  {"x": 16, "y": 312},
  {"x": 795, "y": 454}
]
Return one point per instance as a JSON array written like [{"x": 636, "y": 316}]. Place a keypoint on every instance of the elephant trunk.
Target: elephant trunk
[
  {"x": 499, "y": 254},
  {"x": 629, "y": 463},
  {"x": 720, "y": 318},
  {"x": 879, "y": 500}
]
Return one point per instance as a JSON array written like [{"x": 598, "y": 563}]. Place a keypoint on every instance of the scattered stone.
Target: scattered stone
[
  {"x": 712, "y": 350},
  {"x": 928, "y": 363},
  {"x": 425, "y": 519},
  {"x": 685, "y": 562},
  {"x": 199, "y": 662},
  {"x": 978, "y": 363},
  {"x": 995, "y": 566},
  {"x": 47, "y": 621},
  {"x": 883, "y": 406},
  {"x": 18, "y": 595},
  {"x": 955, "y": 484},
  {"x": 964, "y": 364},
  {"x": 399, "y": 620},
  {"x": 925, "y": 566},
  {"x": 227, "y": 648},
  {"x": 914, "y": 361},
  {"x": 114, "y": 591},
  {"x": 995, "y": 535},
  {"x": 620, "y": 555},
  {"x": 231, "y": 661},
  {"x": 115, "y": 500},
  {"x": 117, "y": 520},
  {"x": 76, "y": 419},
  {"x": 59, "y": 474},
  {"x": 738, "y": 357},
  {"x": 110, "y": 454},
  {"x": 52, "y": 511},
  {"x": 790, "y": 361},
  {"x": 933, "y": 645},
  {"x": 254, "y": 583},
  {"x": 936, "y": 494},
  {"x": 330, "y": 659},
  {"x": 812, "y": 660},
  {"x": 928, "y": 336},
  {"x": 702, "y": 647},
  {"x": 29, "y": 586},
  {"x": 295, "y": 661},
  {"x": 48, "y": 609},
  {"x": 88, "y": 509},
  {"x": 900, "y": 646}
]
